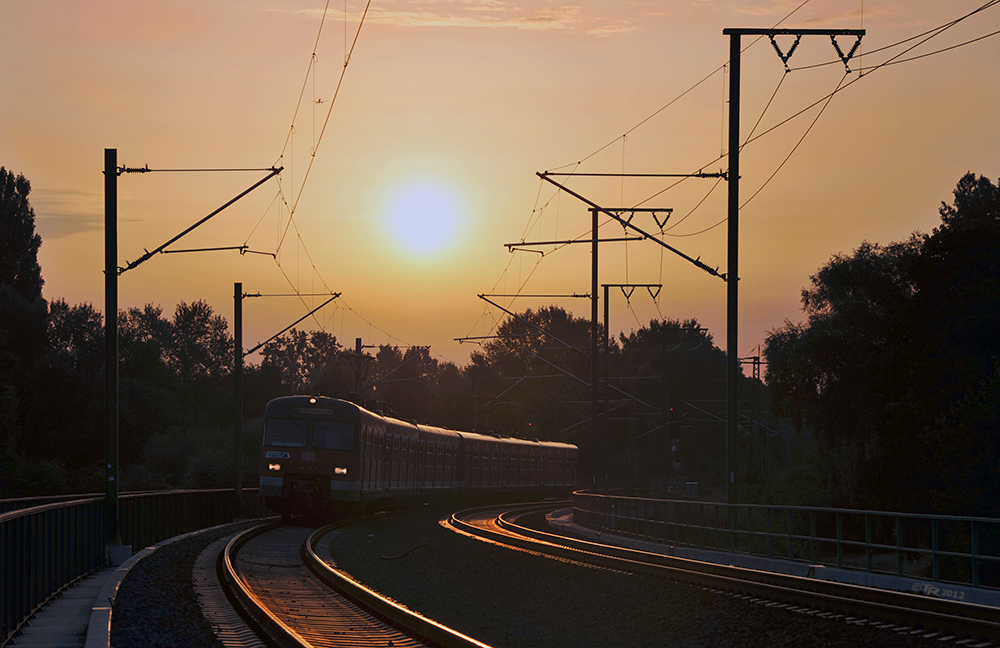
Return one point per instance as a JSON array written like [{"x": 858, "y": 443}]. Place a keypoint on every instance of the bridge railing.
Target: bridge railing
[
  {"x": 939, "y": 548},
  {"x": 46, "y": 547}
]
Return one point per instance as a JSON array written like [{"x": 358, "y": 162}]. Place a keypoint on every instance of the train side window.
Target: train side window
[
  {"x": 333, "y": 436},
  {"x": 289, "y": 433}
]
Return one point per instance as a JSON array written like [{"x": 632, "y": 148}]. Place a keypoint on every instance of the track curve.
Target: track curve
[
  {"x": 900, "y": 609},
  {"x": 298, "y": 600}
]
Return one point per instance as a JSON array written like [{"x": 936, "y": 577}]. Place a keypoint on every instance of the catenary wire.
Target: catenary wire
[{"x": 842, "y": 86}]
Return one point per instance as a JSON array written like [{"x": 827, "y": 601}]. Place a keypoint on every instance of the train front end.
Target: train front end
[{"x": 309, "y": 461}]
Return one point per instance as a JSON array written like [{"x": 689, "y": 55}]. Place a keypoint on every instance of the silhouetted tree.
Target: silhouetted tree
[
  {"x": 199, "y": 345},
  {"x": 899, "y": 346},
  {"x": 547, "y": 353},
  {"x": 841, "y": 371},
  {"x": 309, "y": 362},
  {"x": 956, "y": 376},
  {"x": 669, "y": 364},
  {"x": 22, "y": 309},
  {"x": 406, "y": 381},
  {"x": 65, "y": 407}
]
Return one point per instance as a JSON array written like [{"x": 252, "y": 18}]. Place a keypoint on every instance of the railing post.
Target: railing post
[
  {"x": 768, "y": 522},
  {"x": 868, "y": 544},
  {"x": 975, "y": 552},
  {"x": 750, "y": 530},
  {"x": 715, "y": 526},
  {"x": 701, "y": 528},
  {"x": 935, "y": 539},
  {"x": 734, "y": 530},
  {"x": 788, "y": 518},
  {"x": 812, "y": 536},
  {"x": 899, "y": 547},
  {"x": 840, "y": 539}
]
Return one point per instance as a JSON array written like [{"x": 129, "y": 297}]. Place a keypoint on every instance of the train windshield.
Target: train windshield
[
  {"x": 285, "y": 432},
  {"x": 333, "y": 436}
]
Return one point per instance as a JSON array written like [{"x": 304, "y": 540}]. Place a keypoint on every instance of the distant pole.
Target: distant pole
[
  {"x": 238, "y": 394},
  {"x": 475, "y": 399},
  {"x": 606, "y": 391},
  {"x": 111, "y": 344},
  {"x": 593, "y": 344},
  {"x": 357, "y": 354},
  {"x": 732, "y": 271}
]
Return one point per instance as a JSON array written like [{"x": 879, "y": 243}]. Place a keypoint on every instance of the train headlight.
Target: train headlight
[
  {"x": 272, "y": 466},
  {"x": 339, "y": 471}
]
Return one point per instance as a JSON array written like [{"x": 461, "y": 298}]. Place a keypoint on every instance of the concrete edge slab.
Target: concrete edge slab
[
  {"x": 99, "y": 628},
  {"x": 563, "y": 519}
]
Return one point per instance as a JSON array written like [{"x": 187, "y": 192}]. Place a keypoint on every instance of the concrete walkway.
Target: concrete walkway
[{"x": 63, "y": 622}]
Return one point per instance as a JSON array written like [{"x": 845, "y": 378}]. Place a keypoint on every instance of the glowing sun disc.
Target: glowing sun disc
[{"x": 423, "y": 217}]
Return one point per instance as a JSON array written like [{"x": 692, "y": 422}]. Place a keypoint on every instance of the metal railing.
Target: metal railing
[
  {"x": 45, "y": 548},
  {"x": 939, "y": 548}
]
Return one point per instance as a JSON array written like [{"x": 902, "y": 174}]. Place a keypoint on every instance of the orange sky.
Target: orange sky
[{"x": 457, "y": 104}]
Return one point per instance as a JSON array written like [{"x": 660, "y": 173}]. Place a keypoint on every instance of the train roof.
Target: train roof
[
  {"x": 401, "y": 428},
  {"x": 431, "y": 433},
  {"x": 316, "y": 405},
  {"x": 348, "y": 411},
  {"x": 487, "y": 439}
]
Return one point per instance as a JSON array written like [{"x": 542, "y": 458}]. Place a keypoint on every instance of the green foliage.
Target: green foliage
[
  {"x": 416, "y": 386},
  {"x": 964, "y": 457},
  {"x": 22, "y": 309},
  {"x": 309, "y": 363},
  {"x": 899, "y": 342},
  {"x": 540, "y": 363},
  {"x": 191, "y": 457},
  {"x": 65, "y": 407},
  {"x": 27, "y": 477},
  {"x": 19, "y": 243}
]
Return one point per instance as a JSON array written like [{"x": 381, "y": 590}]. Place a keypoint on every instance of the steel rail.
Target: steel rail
[
  {"x": 270, "y": 624},
  {"x": 897, "y": 607},
  {"x": 261, "y": 619},
  {"x": 382, "y": 607}
]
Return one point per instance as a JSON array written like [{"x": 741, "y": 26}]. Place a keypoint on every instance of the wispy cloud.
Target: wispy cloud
[
  {"x": 483, "y": 13},
  {"x": 610, "y": 30},
  {"x": 784, "y": 7},
  {"x": 768, "y": 8},
  {"x": 853, "y": 17},
  {"x": 63, "y": 212}
]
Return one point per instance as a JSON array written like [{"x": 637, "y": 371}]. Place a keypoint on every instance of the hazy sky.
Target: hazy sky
[{"x": 427, "y": 163}]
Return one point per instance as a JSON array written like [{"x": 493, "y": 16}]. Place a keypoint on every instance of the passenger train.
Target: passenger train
[{"x": 324, "y": 454}]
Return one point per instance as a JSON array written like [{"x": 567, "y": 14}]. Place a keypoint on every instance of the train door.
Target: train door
[
  {"x": 450, "y": 455},
  {"x": 407, "y": 460},
  {"x": 395, "y": 462},
  {"x": 369, "y": 465},
  {"x": 435, "y": 465}
]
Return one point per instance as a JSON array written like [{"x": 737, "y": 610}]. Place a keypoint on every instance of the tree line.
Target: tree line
[
  {"x": 176, "y": 388},
  {"x": 886, "y": 396},
  {"x": 896, "y": 368}
]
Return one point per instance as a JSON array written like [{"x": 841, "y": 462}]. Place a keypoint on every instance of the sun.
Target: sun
[{"x": 423, "y": 217}]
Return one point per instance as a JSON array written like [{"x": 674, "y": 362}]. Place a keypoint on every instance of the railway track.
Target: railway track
[
  {"x": 295, "y": 598},
  {"x": 940, "y": 619}
]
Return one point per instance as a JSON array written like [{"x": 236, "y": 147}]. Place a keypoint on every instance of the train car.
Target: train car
[
  {"x": 313, "y": 452},
  {"x": 321, "y": 454}
]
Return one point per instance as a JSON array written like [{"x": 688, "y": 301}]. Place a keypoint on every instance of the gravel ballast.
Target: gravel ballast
[{"x": 156, "y": 605}]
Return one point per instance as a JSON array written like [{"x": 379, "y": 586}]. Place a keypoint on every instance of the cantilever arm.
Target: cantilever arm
[
  {"x": 148, "y": 255},
  {"x": 625, "y": 223}
]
